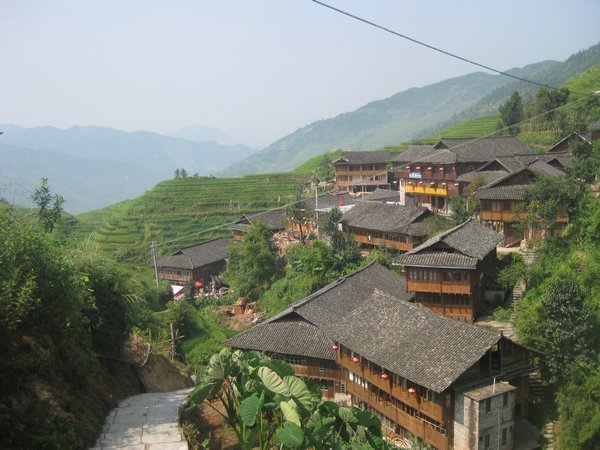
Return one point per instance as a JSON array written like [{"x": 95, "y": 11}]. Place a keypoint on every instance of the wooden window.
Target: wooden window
[
  {"x": 504, "y": 436},
  {"x": 324, "y": 385},
  {"x": 323, "y": 367},
  {"x": 488, "y": 405},
  {"x": 343, "y": 387}
]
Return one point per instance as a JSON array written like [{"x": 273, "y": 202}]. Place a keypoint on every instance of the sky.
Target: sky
[{"x": 257, "y": 69}]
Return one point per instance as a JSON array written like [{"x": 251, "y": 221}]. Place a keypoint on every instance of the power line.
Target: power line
[{"x": 416, "y": 41}]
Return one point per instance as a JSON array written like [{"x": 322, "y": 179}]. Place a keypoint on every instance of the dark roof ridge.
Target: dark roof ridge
[
  {"x": 508, "y": 175},
  {"x": 438, "y": 237},
  {"x": 200, "y": 243},
  {"x": 292, "y": 308}
]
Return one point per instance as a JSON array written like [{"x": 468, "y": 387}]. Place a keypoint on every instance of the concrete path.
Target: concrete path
[{"x": 145, "y": 422}]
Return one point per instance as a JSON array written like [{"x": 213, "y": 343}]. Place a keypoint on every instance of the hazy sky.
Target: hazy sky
[{"x": 257, "y": 69}]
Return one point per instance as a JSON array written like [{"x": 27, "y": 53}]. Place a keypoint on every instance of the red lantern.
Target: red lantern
[
  {"x": 429, "y": 168},
  {"x": 412, "y": 391},
  {"x": 334, "y": 347},
  {"x": 441, "y": 169},
  {"x": 432, "y": 183},
  {"x": 355, "y": 359},
  {"x": 444, "y": 184},
  {"x": 198, "y": 284},
  {"x": 456, "y": 184},
  {"x": 418, "y": 167},
  {"x": 407, "y": 167},
  {"x": 385, "y": 376}
]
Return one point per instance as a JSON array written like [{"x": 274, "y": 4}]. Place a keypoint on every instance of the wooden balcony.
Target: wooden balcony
[
  {"x": 312, "y": 371},
  {"x": 429, "y": 408},
  {"x": 430, "y": 434},
  {"x": 377, "y": 241},
  {"x": 442, "y": 287},
  {"x": 416, "y": 189},
  {"x": 426, "y": 176},
  {"x": 502, "y": 216},
  {"x": 175, "y": 279}
]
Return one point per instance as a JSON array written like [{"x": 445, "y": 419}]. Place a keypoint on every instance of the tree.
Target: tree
[
  {"x": 49, "y": 211},
  {"x": 342, "y": 244},
  {"x": 579, "y": 409},
  {"x": 298, "y": 213},
  {"x": 267, "y": 406},
  {"x": 547, "y": 198},
  {"x": 252, "y": 263},
  {"x": 512, "y": 113},
  {"x": 183, "y": 173},
  {"x": 567, "y": 328},
  {"x": 177, "y": 173}
]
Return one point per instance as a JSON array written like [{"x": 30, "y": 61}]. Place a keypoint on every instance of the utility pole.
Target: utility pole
[{"x": 153, "y": 250}]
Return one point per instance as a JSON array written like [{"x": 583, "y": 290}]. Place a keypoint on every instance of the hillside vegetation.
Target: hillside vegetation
[{"x": 177, "y": 208}]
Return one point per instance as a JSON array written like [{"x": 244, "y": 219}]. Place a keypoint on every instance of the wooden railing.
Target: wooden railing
[
  {"x": 444, "y": 287},
  {"x": 426, "y": 175},
  {"x": 397, "y": 245},
  {"x": 429, "y": 408},
  {"x": 503, "y": 216},
  {"x": 415, "y": 189},
  {"x": 428, "y": 432},
  {"x": 315, "y": 372}
]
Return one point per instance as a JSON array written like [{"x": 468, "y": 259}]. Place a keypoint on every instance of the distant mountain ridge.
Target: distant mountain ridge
[
  {"x": 413, "y": 113},
  {"x": 106, "y": 155}
]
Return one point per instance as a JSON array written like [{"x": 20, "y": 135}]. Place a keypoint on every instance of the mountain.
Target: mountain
[
  {"x": 409, "y": 114},
  {"x": 120, "y": 164},
  {"x": 85, "y": 184},
  {"x": 201, "y": 133},
  {"x": 150, "y": 151}
]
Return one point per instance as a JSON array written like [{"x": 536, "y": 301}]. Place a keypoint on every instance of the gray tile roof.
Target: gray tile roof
[
  {"x": 483, "y": 149},
  {"x": 373, "y": 157},
  {"x": 273, "y": 219},
  {"x": 512, "y": 192},
  {"x": 488, "y": 176},
  {"x": 290, "y": 335},
  {"x": 412, "y": 341},
  {"x": 414, "y": 153},
  {"x": 319, "y": 311},
  {"x": 470, "y": 239},
  {"x": 196, "y": 256},
  {"x": 330, "y": 201},
  {"x": 383, "y": 195},
  {"x": 385, "y": 217}
]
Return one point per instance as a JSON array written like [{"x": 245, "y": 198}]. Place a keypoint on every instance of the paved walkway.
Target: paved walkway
[{"x": 145, "y": 422}]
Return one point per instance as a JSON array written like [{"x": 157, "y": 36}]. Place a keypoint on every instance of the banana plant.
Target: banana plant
[{"x": 265, "y": 404}]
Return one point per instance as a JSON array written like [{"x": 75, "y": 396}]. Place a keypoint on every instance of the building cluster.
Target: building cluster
[{"x": 404, "y": 345}]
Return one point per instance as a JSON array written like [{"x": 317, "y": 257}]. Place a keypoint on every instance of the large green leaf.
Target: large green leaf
[
  {"x": 375, "y": 440},
  {"x": 249, "y": 410},
  {"x": 281, "y": 367},
  {"x": 199, "y": 394},
  {"x": 347, "y": 415},
  {"x": 273, "y": 382},
  {"x": 367, "y": 419},
  {"x": 300, "y": 392},
  {"x": 290, "y": 435},
  {"x": 290, "y": 411}
]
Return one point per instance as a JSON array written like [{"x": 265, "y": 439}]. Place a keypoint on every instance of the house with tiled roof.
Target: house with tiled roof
[
  {"x": 195, "y": 263},
  {"x": 502, "y": 206},
  {"x": 397, "y": 227},
  {"x": 449, "y": 384},
  {"x": 274, "y": 219},
  {"x": 298, "y": 333},
  {"x": 449, "y": 272},
  {"x": 426, "y": 376},
  {"x": 431, "y": 175},
  {"x": 362, "y": 172}
]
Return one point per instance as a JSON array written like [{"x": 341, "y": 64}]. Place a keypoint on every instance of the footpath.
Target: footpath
[{"x": 145, "y": 422}]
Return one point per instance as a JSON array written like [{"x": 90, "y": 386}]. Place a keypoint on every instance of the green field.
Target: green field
[{"x": 175, "y": 209}]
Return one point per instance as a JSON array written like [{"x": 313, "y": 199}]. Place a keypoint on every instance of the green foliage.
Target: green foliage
[
  {"x": 266, "y": 405},
  {"x": 567, "y": 326},
  {"x": 252, "y": 263},
  {"x": 549, "y": 197},
  {"x": 513, "y": 270},
  {"x": 511, "y": 112},
  {"x": 587, "y": 169},
  {"x": 436, "y": 223},
  {"x": 49, "y": 207},
  {"x": 292, "y": 287},
  {"x": 298, "y": 214},
  {"x": 579, "y": 408},
  {"x": 342, "y": 244}
]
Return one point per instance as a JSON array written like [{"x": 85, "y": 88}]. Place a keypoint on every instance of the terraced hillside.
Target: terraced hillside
[{"x": 177, "y": 208}]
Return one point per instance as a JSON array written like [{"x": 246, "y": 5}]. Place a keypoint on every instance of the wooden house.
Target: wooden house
[
  {"x": 449, "y": 384},
  {"x": 397, "y": 227},
  {"x": 362, "y": 172},
  {"x": 449, "y": 272},
  {"x": 298, "y": 333},
  {"x": 429, "y": 174},
  {"x": 273, "y": 219},
  {"x": 502, "y": 208},
  {"x": 196, "y": 263}
]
